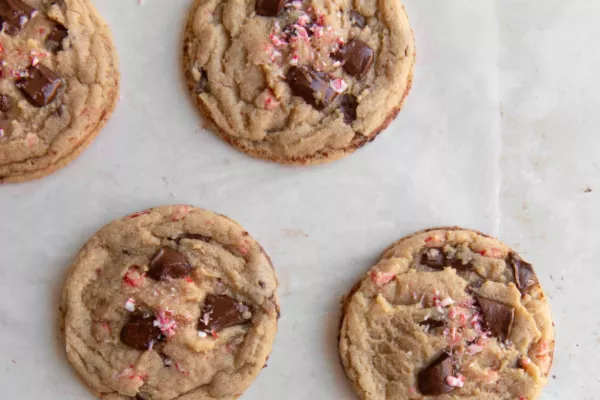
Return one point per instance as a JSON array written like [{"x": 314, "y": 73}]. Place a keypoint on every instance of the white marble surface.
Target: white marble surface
[{"x": 501, "y": 134}]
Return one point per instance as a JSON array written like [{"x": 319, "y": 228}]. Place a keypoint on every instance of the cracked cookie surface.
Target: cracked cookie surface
[
  {"x": 450, "y": 314},
  {"x": 59, "y": 83},
  {"x": 299, "y": 82},
  {"x": 174, "y": 302}
]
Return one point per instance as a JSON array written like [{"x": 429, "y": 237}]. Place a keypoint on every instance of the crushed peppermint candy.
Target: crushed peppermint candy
[
  {"x": 130, "y": 305},
  {"x": 202, "y": 334},
  {"x": 446, "y": 302},
  {"x": 455, "y": 381},
  {"x": 165, "y": 322},
  {"x": 474, "y": 349},
  {"x": 338, "y": 85},
  {"x": 381, "y": 278},
  {"x": 133, "y": 277},
  {"x": 294, "y": 60}
]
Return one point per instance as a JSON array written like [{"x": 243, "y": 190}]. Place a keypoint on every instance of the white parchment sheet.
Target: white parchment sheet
[{"x": 501, "y": 133}]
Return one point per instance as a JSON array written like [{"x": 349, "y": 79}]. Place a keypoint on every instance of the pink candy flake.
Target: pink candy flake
[
  {"x": 303, "y": 20},
  {"x": 455, "y": 381},
  {"x": 133, "y": 277},
  {"x": 31, "y": 140},
  {"x": 446, "y": 302},
  {"x": 130, "y": 373},
  {"x": 525, "y": 361},
  {"x": 338, "y": 85},
  {"x": 474, "y": 349},
  {"x": 165, "y": 322},
  {"x": 382, "y": 278},
  {"x": 275, "y": 54},
  {"x": 493, "y": 253},
  {"x": 297, "y": 4},
  {"x": 294, "y": 59},
  {"x": 179, "y": 212},
  {"x": 277, "y": 41},
  {"x": 130, "y": 305},
  {"x": 179, "y": 368},
  {"x": 301, "y": 31},
  {"x": 135, "y": 215}
]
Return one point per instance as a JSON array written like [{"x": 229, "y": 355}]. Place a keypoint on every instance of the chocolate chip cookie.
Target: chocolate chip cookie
[
  {"x": 59, "y": 83},
  {"x": 302, "y": 81},
  {"x": 170, "y": 303},
  {"x": 448, "y": 313}
]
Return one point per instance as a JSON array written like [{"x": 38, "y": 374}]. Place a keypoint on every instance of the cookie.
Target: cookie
[
  {"x": 448, "y": 313},
  {"x": 299, "y": 82},
  {"x": 59, "y": 83},
  {"x": 170, "y": 303}
]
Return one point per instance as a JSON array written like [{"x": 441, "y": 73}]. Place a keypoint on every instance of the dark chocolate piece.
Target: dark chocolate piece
[
  {"x": 358, "y": 19},
  {"x": 14, "y": 15},
  {"x": 56, "y": 36},
  {"x": 432, "y": 380},
  {"x": 6, "y": 103},
  {"x": 168, "y": 263},
  {"x": 348, "y": 108},
  {"x": 269, "y": 8},
  {"x": 525, "y": 277},
  {"x": 358, "y": 57},
  {"x": 312, "y": 86},
  {"x": 432, "y": 323},
  {"x": 220, "y": 312},
  {"x": 140, "y": 333},
  {"x": 40, "y": 86},
  {"x": 193, "y": 236},
  {"x": 434, "y": 258},
  {"x": 499, "y": 317},
  {"x": 202, "y": 85}
]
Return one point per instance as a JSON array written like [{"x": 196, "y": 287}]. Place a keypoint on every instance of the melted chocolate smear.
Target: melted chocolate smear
[
  {"x": 525, "y": 277},
  {"x": 54, "y": 40},
  {"x": 40, "y": 86},
  {"x": 168, "y": 263},
  {"x": 358, "y": 19},
  {"x": 14, "y": 15},
  {"x": 435, "y": 257},
  {"x": 269, "y": 8},
  {"x": 358, "y": 57},
  {"x": 499, "y": 317},
  {"x": 432, "y": 380},
  {"x": 139, "y": 332},
  {"x": 348, "y": 108},
  {"x": 432, "y": 323},
  {"x": 220, "y": 312},
  {"x": 6, "y": 103},
  {"x": 312, "y": 86},
  {"x": 202, "y": 85},
  {"x": 193, "y": 236}
]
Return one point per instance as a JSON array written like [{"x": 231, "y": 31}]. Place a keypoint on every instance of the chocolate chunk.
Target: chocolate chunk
[
  {"x": 140, "y": 333},
  {"x": 348, "y": 108},
  {"x": 40, "y": 86},
  {"x": 312, "y": 86},
  {"x": 434, "y": 258},
  {"x": 5, "y": 127},
  {"x": 499, "y": 317},
  {"x": 358, "y": 19},
  {"x": 269, "y": 8},
  {"x": 432, "y": 323},
  {"x": 14, "y": 14},
  {"x": 56, "y": 36},
  {"x": 262, "y": 284},
  {"x": 358, "y": 57},
  {"x": 193, "y": 236},
  {"x": 5, "y": 103},
  {"x": 168, "y": 263},
  {"x": 220, "y": 312},
  {"x": 525, "y": 277},
  {"x": 432, "y": 380},
  {"x": 202, "y": 85}
]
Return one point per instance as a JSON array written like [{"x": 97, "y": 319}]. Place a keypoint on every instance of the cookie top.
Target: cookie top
[
  {"x": 170, "y": 303},
  {"x": 299, "y": 82},
  {"x": 448, "y": 314},
  {"x": 58, "y": 83}
]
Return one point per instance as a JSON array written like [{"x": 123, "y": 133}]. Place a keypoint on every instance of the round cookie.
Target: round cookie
[
  {"x": 448, "y": 313},
  {"x": 59, "y": 84},
  {"x": 299, "y": 82},
  {"x": 174, "y": 302}
]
